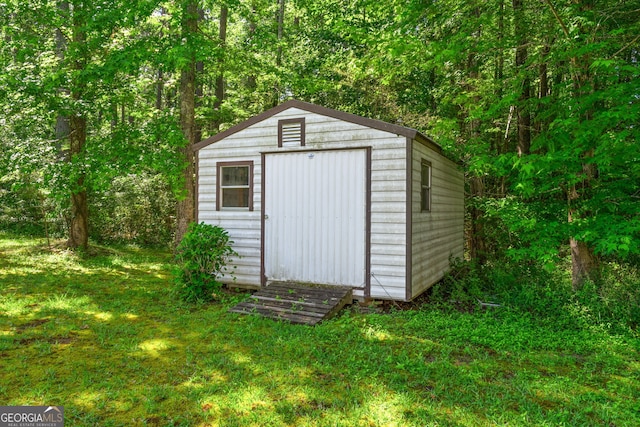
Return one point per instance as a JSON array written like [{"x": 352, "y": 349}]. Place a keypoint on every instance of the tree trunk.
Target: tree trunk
[
  {"x": 198, "y": 99},
  {"x": 542, "y": 124},
  {"x": 499, "y": 142},
  {"x": 543, "y": 71},
  {"x": 217, "y": 104},
  {"x": 252, "y": 82},
  {"x": 185, "y": 211},
  {"x": 199, "y": 87},
  {"x": 160, "y": 79},
  {"x": 583, "y": 261},
  {"x": 584, "y": 265},
  {"x": 472, "y": 129},
  {"x": 280, "y": 23},
  {"x": 476, "y": 241},
  {"x": 159, "y": 89},
  {"x": 522, "y": 109},
  {"x": 281, "y": 8},
  {"x": 79, "y": 225},
  {"x": 62, "y": 121}
]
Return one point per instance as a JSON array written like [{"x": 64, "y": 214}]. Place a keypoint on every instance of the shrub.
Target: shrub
[
  {"x": 134, "y": 208},
  {"x": 26, "y": 208},
  {"x": 462, "y": 286},
  {"x": 523, "y": 286},
  {"x": 612, "y": 303},
  {"x": 202, "y": 258}
]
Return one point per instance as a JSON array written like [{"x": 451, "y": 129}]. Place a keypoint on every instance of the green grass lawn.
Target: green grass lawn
[{"x": 102, "y": 336}]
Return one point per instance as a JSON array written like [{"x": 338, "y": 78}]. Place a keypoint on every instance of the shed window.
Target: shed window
[
  {"x": 291, "y": 132},
  {"x": 235, "y": 185},
  {"x": 425, "y": 181}
]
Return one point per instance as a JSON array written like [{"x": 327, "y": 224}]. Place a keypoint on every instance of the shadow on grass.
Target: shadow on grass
[{"x": 102, "y": 337}]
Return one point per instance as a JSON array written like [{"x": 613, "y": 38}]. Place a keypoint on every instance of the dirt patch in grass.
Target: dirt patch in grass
[
  {"x": 32, "y": 324},
  {"x": 50, "y": 340}
]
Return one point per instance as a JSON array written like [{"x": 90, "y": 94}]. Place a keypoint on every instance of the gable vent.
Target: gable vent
[{"x": 291, "y": 132}]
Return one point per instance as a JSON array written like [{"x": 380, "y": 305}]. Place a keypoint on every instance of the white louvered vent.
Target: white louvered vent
[{"x": 291, "y": 133}]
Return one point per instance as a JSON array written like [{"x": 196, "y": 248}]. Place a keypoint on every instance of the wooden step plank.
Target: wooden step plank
[
  {"x": 312, "y": 299},
  {"x": 346, "y": 299},
  {"x": 293, "y": 318},
  {"x": 284, "y": 309},
  {"x": 296, "y": 303},
  {"x": 289, "y": 304},
  {"x": 317, "y": 304},
  {"x": 280, "y": 315}
]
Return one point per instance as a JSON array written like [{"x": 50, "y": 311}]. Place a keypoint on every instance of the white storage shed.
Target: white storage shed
[{"x": 314, "y": 195}]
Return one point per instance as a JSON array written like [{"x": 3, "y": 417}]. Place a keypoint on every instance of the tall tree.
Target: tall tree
[
  {"x": 524, "y": 82},
  {"x": 62, "y": 121},
  {"x": 219, "y": 84},
  {"x": 189, "y": 29},
  {"x": 70, "y": 62},
  {"x": 79, "y": 225}
]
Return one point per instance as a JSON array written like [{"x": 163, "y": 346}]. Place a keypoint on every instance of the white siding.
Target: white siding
[
  {"x": 388, "y": 197},
  {"x": 439, "y": 234},
  {"x": 388, "y": 219}
]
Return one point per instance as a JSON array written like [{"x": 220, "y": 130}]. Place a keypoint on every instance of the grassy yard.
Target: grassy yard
[{"x": 102, "y": 336}]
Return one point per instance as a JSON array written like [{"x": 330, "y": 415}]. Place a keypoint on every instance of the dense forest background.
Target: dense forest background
[{"x": 539, "y": 101}]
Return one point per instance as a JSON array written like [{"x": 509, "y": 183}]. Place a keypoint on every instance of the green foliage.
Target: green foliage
[
  {"x": 26, "y": 205},
  {"x": 521, "y": 286},
  {"x": 202, "y": 257},
  {"x": 462, "y": 286},
  {"x": 136, "y": 208},
  {"x": 446, "y": 68},
  {"x": 453, "y": 62},
  {"x": 614, "y": 301},
  {"x": 20, "y": 210}
]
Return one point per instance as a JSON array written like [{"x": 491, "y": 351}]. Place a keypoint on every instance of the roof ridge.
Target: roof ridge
[{"x": 314, "y": 108}]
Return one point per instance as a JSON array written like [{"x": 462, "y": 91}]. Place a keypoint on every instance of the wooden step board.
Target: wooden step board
[{"x": 296, "y": 303}]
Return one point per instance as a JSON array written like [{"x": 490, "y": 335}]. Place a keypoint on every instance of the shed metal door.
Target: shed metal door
[{"x": 315, "y": 217}]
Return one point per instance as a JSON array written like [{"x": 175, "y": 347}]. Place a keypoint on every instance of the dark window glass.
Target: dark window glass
[{"x": 425, "y": 199}]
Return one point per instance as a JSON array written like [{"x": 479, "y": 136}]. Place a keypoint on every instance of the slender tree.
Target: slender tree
[
  {"x": 70, "y": 60},
  {"x": 186, "y": 204},
  {"x": 79, "y": 226},
  {"x": 524, "y": 82}
]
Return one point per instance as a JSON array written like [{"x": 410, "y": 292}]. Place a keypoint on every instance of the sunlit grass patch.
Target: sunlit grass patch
[{"x": 101, "y": 335}]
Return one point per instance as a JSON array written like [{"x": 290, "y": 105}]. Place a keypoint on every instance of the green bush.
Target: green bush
[
  {"x": 525, "y": 286},
  {"x": 202, "y": 257},
  {"x": 530, "y": 288},
  {"x": 134, "y": 208},
  {"x": 462, "y": 286},
  {"x": 614, "y": 301},
  {"x": 26, "y": 208}
]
